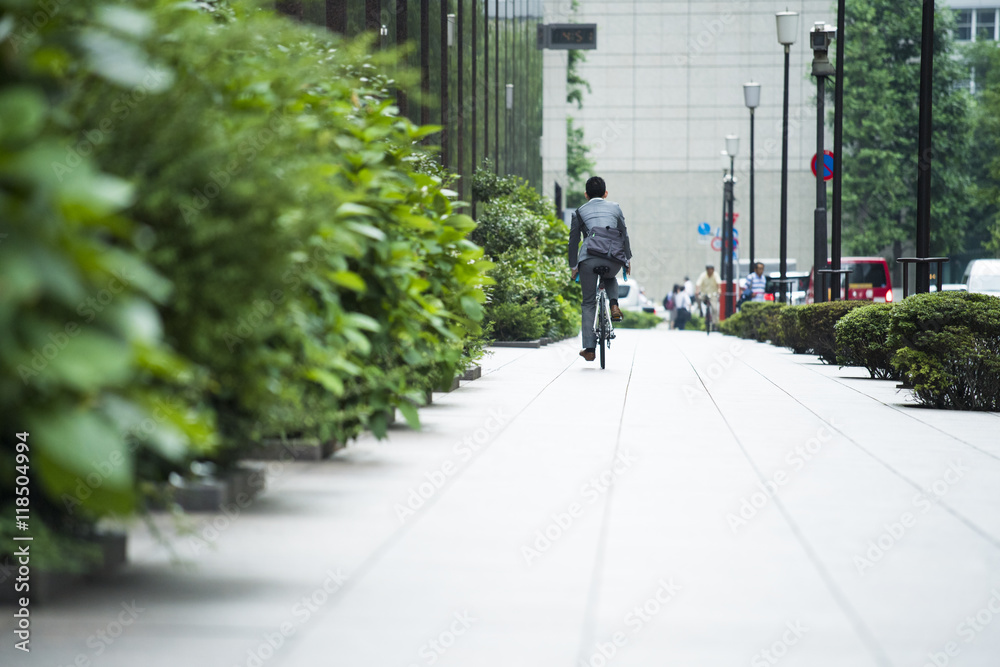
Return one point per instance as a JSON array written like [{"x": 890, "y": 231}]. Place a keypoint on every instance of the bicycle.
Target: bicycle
[
  {"x": 603, "y": 328},
  {"x": 708, "y": 314}
]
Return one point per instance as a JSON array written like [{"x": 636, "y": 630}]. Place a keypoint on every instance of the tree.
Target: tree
[
  {"x": 983, "y": 60},
  {"x": 881, "y": 112}
]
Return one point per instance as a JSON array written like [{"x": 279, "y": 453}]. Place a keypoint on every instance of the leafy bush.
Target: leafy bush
[
  {"x": 215, "y": 229},
  {"x": 695, "y": 323},
  {"x": 815, "y": 326},
  {"x": 321, "y": 275},
  {"x": 513, "y": 321},
  {"x": 759, "y": 320},
  {"x": 949, "y": 348},
  {"x": 862, "y": 340},
  {"x": 85, "y": 371},
  {"x": 732, "y": 325},
  {"x": 638, "y": 319},
  {"x": 527, "y": 245},
  {"x": 789, "y": 333}
]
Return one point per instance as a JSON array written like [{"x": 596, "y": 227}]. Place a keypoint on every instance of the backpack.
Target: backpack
[{"x": 668, "y": 302}]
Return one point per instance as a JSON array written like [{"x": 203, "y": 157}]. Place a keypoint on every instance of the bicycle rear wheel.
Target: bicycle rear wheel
[{"x": 602, "y": 317}]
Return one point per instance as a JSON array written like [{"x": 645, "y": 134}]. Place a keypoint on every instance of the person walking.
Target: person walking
[
  {"x": 605, "y": 248},
  {"x": 682, "y": 307}
]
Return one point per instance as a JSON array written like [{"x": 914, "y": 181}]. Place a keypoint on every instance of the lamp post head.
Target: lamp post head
[
  {"x": 751, "y": 95},
  {"x": 788, "y": 27},
  {"x": 724, "y": 160},
  {"x": 732, "y": 145},
  {"x": 510, "y": 95}
]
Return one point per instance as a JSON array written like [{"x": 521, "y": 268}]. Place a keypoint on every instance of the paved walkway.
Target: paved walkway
[{"x": 703, "y": 502}]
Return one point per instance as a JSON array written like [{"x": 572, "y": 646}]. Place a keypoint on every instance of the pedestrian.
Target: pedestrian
[
  {"x": 682, "y": 307},
  {"x": 668, "y": 306},
  {"x": 755, "y": 283},
  {"x": 689, "y": 288}
]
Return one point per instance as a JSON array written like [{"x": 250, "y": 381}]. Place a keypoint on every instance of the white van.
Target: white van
[{"x": 983, "y": 276}]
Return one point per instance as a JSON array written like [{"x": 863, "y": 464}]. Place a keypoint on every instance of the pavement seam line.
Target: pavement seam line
[
  {"x": 968, "y": 523},
  {"x": 840, "y": 598},
  {"x": 369, "y": 563},
  {"x": 590, "y": 612}
]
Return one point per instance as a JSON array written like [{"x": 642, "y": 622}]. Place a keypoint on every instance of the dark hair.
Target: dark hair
[{"x": 596, "y": 187}]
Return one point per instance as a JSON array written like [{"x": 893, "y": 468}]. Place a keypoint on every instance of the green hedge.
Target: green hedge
[
  {"x": 816, "y": 326},
  {"x": 948, "y": 349},
  {"x": 759, "y": 320},
  {"x": 862, "y": 340},
  {"x": 638, "y": 319},
  {"x": 218, "y": 230},
  {"x": 532, "y": 294}
]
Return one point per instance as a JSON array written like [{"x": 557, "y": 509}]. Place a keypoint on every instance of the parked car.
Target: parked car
[
  {"x": 949, "y": 287},
  {"x": 797, "y": 291},
  {"x": 983, "y": 276},
  {"x": 869, "y": 280},
  {"x": 631, "y": 296}
]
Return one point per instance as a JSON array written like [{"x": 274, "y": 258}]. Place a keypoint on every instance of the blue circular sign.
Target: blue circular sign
[{"x": 704, "y": 228}]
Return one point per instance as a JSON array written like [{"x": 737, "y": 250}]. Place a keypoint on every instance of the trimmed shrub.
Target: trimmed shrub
[
  {"x": 862, "y": 340},
  {"x": 638, "y": 319},
  {"x": 790, "y": 333},
  {"x": 816, "y": 322},
  {"x": 695, "y": 323},
  {"x": 949, "y": 349},
  {"x": 759, "y": 320},
  {"x": 732, "y": 325}
]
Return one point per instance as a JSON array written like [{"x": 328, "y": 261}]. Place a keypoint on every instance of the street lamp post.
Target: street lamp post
[
  {"x": 732, "y": 149},
  {"x": 788, "y": 27},
  {"x": 821, "y": 36},
  {"x": 751, "y": 96},
  {"x": 838, "y": 150}
]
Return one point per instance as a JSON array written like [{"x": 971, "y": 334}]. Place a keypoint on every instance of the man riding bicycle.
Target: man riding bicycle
[
  {"x": 707, "y": 288},
  {"x": 603, "y": 249}
]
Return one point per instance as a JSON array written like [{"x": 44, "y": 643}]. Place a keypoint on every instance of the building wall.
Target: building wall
[{"x": 667, "y": 80}]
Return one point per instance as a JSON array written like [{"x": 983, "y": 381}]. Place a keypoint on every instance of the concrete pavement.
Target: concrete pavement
[{"x": 702, "y": 502}]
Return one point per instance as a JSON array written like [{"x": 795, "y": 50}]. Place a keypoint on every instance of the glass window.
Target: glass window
[
  {"x": 963, "y": 25},
  {"x": 865, "y": 274},
  {"x": 985, "y": 24}
]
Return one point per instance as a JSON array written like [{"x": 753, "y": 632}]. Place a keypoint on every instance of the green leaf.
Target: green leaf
[
  {"x": 348, "y": 279},
  {"x": 410, "y": 413}
]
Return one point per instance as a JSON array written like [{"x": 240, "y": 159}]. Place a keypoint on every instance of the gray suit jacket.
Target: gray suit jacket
[{"x": 595, "y": 213}]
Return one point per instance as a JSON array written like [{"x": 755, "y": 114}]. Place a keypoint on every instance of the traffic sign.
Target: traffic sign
[
  {"x": 827, "y": 163},
  {"x": 717, "y": 243},
  {"x": 704, "y": 229}
]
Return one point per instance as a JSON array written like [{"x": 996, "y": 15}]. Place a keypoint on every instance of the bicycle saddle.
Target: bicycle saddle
[{"x": 600, "y": 270}]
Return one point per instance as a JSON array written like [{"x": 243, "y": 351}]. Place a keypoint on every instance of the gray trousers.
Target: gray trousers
[{"x": 588, "y": 282}]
